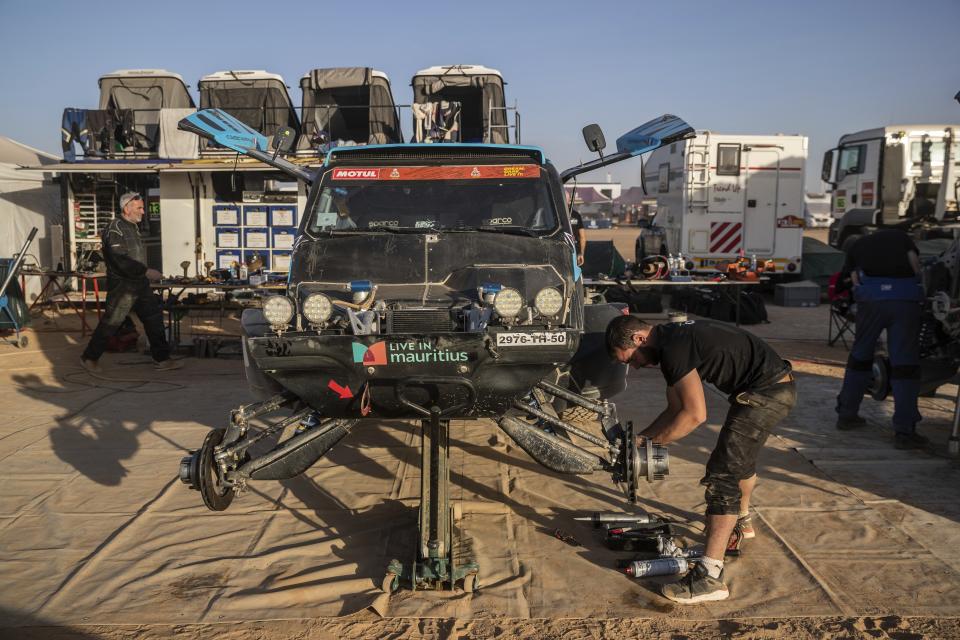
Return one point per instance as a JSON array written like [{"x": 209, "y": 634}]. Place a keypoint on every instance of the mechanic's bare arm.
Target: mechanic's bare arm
[
  {"x": 689, "y": 413},
  {"x": 667, "y": 415}
]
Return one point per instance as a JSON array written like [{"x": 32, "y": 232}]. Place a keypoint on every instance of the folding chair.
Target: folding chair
[{"x": 842, "y": 313}]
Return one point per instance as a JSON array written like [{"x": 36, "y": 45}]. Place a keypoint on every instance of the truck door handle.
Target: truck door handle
[
  {"x": 853, "y": 198},
  {"x": 751, "y": 203}
]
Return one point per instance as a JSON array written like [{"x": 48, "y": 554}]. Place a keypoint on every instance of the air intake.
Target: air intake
[{"x": 419, "y": 321}]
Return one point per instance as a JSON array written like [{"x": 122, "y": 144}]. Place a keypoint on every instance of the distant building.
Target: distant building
[{"x": 595, "y": 197}]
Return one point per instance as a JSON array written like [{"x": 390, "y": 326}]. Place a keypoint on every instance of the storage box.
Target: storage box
[{"x": 797, "y": 294}]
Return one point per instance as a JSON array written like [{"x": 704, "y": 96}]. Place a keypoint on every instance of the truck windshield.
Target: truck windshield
[{"x": 509, "y": 205}]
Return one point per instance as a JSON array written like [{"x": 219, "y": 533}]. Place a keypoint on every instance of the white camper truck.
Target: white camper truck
[
  {"x": 891, "y": 176},
  {"x": 720, "y": 196}
]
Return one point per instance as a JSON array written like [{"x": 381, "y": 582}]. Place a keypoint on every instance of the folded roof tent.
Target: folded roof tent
[
  {"x": 257, "y": 98},
  {"x": 349, "y": 103},
  {"x": 479, "y": 90},
  {"x": 144, "y": 92}
]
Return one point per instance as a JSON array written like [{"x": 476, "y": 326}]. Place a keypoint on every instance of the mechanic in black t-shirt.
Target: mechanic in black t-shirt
[
  {"x": 579, "y": 234},
  {"x": 761, "y": 391},
  {"x": 884, "y": 268}
]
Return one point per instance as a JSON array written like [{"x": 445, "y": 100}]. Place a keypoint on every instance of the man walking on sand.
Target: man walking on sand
[
  {"x": 128, "y": 288},
  {"x": 761, "y": 391}
]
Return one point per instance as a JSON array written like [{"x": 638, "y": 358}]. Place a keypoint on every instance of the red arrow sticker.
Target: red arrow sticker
[{"x": 343, "y": 392}]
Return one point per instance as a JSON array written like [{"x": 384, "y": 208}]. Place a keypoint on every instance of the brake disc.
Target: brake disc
[
  {"x": 649, "y": 461},
  {"x": 216, "y": 494}
]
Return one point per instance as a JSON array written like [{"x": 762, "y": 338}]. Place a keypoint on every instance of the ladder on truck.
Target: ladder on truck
[
  {"x": 697, "y": 170},
  {"x": 93, "y": 209}
]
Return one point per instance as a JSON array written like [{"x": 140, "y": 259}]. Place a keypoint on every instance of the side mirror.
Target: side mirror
[
  {"x": 593, "y": 136},
  {"x": 283, "y": 140},
  {"x": 826, "y": 170}
]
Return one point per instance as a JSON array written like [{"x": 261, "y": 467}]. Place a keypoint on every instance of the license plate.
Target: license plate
[{"x": 531, "y": 339}]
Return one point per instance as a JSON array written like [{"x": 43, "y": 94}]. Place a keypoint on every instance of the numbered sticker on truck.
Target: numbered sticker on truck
[{"x": 531, "y": 339}]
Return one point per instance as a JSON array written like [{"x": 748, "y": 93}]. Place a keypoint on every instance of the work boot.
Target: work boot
[
  {"x": 92, "y": 366},
  {"x": 909, "y": 441},
  {"x": 745, "y": 525},
  {"x": 167, "y": 365},
  {"x": 696, "y": 586},
  {"x": 846, "y": 423}
]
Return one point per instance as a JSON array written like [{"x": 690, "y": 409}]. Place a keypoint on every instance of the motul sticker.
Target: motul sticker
[
  {"x": 356, "y": 174},
  {"x": 456, "y": 172},
  {"x": 866, "y": 194},
  {"x": 840, "y": 200}
]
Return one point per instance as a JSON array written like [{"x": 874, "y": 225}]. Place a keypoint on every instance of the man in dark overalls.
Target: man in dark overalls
[
  {"x": 885, "y": 270},
  {"x": 128, "y": 288},
  {"x": 761, "y": 391}
]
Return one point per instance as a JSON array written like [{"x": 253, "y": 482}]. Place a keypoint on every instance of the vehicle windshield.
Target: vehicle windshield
[{"x": 519, "y": 204}]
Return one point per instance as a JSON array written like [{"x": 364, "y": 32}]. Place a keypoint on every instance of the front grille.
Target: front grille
[{"x": 419, "y": 321}]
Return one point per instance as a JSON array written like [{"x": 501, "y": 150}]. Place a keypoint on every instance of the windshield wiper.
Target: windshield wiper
[{"x": 513, "y": 229}]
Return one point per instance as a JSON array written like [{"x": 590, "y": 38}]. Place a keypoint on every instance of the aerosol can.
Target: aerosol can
[{"x": 658, "y": 567}]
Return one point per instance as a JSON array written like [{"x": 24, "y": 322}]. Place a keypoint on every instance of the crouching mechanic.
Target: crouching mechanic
[
  {"x": 761, "y": 391},
  {"x": 128, "y": 288}
]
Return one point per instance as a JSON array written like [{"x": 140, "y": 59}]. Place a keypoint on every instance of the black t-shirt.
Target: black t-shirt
[
  {"x": 882, "y": 254},
  {"x": 731, "y": 359},
  {"x": 576, "y": 222}
]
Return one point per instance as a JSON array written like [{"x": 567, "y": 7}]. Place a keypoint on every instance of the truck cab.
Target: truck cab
[{"x": 889, "y": 176}]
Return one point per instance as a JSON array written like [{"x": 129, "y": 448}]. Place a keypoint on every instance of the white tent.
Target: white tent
[{"x": 27, "y": 199}]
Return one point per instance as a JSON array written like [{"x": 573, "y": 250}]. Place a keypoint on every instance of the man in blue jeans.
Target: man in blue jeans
[
  {"x": 884, "y": 268},
  {"x": 761, "y": 391}
]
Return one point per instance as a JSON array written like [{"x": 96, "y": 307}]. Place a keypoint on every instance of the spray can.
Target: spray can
[
  {"x": 599, "y": 517},
  {"x": 658, "y": 567},
  {"x": 753, "y": 262}
]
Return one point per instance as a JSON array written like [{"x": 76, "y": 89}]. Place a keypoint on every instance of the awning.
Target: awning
[{"x": 153, "y": 166}]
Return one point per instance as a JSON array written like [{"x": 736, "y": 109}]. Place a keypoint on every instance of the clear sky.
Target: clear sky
[{"x": 815, "y": 68}]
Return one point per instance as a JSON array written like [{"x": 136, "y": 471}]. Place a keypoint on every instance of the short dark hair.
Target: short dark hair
[{"x": 620, "y": 332}]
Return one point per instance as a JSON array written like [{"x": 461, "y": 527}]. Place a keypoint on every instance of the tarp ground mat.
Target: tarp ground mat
[
  {"x": 94, "y": 526},
  {"x": 349, "y": 103}
]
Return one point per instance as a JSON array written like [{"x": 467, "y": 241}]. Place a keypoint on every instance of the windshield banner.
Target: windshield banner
[{"x": 460, "y": 172}]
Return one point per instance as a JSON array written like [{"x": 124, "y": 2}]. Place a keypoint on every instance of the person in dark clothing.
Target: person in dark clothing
[
  {"x": 884, "y": 268},
  {"x": 761, "y": 392},
  {"x": 579, "y": 234},
  {"x": 128, "y": 288}
]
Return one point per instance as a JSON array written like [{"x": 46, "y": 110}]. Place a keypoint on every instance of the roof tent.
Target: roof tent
[
  {"x": 143, "y": 93},
  {"x": 256, "y": 98},
  {"x": 349, "y": 103},
  {"x": 479, "y": 90}
]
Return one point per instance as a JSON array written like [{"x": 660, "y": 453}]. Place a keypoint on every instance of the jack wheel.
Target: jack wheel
[
  {"x": 216, "y": 495},
  {"x": 23, "y": 342}
]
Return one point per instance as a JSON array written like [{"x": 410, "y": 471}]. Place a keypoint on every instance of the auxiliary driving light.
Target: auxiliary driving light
[
  {"x": 316, "y": 308},
  {"x": 508, "y": 302},
  {"x": 278, "y": 310},
  {"x": 548, "y": 302}
]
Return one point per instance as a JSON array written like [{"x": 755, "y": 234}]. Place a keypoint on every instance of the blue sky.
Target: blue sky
[{"x": 815, "y": 68}]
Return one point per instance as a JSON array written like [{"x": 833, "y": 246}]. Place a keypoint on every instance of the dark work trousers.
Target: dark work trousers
[
  {"x": 124, "y": 296},
  {"x": 752, "y": 415},
  {"x": 901, "y": 320}
]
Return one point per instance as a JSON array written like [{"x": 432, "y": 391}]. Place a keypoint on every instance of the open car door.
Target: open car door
[
  {"x": 223, "y": 129},
  {"x": 649, "y": 136}
]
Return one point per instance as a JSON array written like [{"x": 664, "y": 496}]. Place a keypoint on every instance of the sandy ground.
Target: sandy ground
[{"x": 99, "y": 540}]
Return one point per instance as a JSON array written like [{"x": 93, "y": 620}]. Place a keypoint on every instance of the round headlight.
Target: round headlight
[
  {"x": 508, "y": 303},
  {"x": 278, "y": 310},
  {"x": 317, "y": 308},
  {"x": 548, "y": 302}
]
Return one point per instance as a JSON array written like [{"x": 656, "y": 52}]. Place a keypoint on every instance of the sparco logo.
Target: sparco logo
[{"x": 356, "y": 174}]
